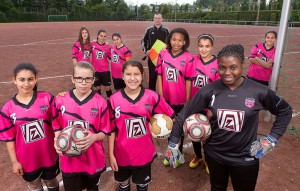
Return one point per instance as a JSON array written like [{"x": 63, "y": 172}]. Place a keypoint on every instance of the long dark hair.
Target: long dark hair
[{"x": 88, "y": 40}]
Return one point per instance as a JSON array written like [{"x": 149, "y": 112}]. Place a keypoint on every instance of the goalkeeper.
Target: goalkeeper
[{"x": 234, "y": 102}]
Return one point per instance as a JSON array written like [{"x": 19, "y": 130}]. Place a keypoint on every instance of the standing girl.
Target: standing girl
[
  {"x": 131, "y": 148},
  {"x": 100, "y": 57},
  {"x": 83, "y": 106},
  {"x": 262, "y": 59},
  {"x": 205, "y": 72},
  {"x": 173, "y": 66},
  {"x": 25, "y": 126},
  {"x": 82, "y": 48},
  {"x": 119, "y": 54}
]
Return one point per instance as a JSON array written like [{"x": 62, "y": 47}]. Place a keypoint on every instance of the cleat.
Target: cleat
[
  {"x": 166, "y": 162},
  {"x": 195, "y": 162},
  {"x": 206, "y": 167}
]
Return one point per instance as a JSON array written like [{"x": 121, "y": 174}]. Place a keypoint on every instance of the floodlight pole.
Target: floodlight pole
[
  {"x": 175, "y": 9},
  {"x": 258, "y": 10},
  {"x": 137, "y": 9},
  {"x": 283, "y": 26}
]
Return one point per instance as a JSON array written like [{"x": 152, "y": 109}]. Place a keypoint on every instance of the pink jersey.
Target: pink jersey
[
  {"x": 100, "y": 56},
  {"x": 29, "y": 126},
  {"x": 80, "y": 55},
  {"x": 118, "y": 57},
  {"x": 92, "y": 113},
  {"x": 174, "y": 70},
  {"x": 258, "y": 72},
  {"x": 203, "y": 73},
  {"x": 130, "y": 119}
]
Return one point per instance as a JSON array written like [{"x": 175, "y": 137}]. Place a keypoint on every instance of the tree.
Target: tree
[
  {"x": 6, "y": 5},
  {"x": 121, "y": 7}
]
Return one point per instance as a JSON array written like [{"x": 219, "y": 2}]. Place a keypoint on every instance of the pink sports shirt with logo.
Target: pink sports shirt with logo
[
  {"x": 204, "y": 73},
  {"x": 118, "y": 58},
  {"x": 29, "y": 126},
  {"x": 174, "y": 71},
  {"x": 92, "y": 113},
  {"x": 130, "y": 119},
  {"x": 100, "y": 56},
  {"x": 80, "y": 55},
  {"x": 258, "y": 72}
]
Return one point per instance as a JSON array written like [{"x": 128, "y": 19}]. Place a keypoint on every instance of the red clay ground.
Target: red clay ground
[{"x": 48, "y": 46}]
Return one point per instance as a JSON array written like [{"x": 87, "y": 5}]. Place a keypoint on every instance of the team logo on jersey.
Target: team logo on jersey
[
  {"x": 33, "y": 131},
  {"x": 200, "y": 81},
  {"x": 136, "y": 127},
  {"x": 84, "y": 124},
  {"x": 182, "y": 63},
  {"x": 148, "y": 107},
  {"x": 250, "y": 102},
  {"x": 99, "y": 55},
  {"x": 94, "y": 112},
  {"x": 44, "y": 108},
  {"x": 230, "y": 120},
  {"x": 213, "y": 71},
  {"x": 171, "y": 74}
]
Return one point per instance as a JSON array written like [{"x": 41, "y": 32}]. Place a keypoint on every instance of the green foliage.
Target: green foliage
[
  {"x": 3, "y": 17},
  {"x": 5, "y": 5}
]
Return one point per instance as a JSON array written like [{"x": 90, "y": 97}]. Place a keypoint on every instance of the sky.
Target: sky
[{"x": 147, "y": 2}]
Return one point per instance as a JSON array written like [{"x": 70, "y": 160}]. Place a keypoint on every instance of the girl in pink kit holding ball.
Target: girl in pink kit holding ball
[
  {"x": 131, "y": 148},
  {"x": 82, "y": 106}
]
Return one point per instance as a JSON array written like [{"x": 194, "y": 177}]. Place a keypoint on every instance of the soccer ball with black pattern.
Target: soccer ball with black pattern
[
  {"x": 197, "y": 127},
  {"x": 161, "y": 126},
  {"x": 67, "y": 140}
]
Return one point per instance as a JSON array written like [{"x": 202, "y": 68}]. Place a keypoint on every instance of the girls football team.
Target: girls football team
[{"x": 32, "y": 120}]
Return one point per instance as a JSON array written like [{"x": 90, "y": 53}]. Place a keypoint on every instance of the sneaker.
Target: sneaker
[
  {"x": 206, "y": 167},
  {"x": 195, "y": 162},
  {"x": 166, "y": 162}
]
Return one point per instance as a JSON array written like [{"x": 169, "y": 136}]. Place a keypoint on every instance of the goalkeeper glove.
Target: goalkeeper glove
[
  {"x": 174, "y": 155},
  {"x": 262, "y": 146}
]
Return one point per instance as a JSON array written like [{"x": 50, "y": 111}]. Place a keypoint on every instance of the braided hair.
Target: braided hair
[{"x": 235, "y": 50}]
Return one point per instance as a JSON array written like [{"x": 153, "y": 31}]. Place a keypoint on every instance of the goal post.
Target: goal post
[{"x": 53, "y": 18}]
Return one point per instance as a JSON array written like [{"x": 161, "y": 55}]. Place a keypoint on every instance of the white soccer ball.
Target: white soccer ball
[
  {"x": 67, "y": 140},
  {"x": 161, "y": 126},
  {"x": 197, "y": 127}
]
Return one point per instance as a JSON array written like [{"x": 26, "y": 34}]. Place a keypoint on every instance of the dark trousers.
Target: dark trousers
[
  {"x": 152, "y": 75},
  {"x": 243, "y": 178},
  {"x": 197, "y": 148}
]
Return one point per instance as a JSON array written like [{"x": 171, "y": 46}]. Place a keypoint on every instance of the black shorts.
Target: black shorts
[
  {"x": 46, "y": 173},
  {"x": 119, "y": 83},
  {"x": 102, "y": 78},
  {"x": 79, "y": 182},
  {"x": 138, "y": 175}
]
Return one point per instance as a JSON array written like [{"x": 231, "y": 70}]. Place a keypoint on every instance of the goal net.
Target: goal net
[{"x": 52, "y": 18}]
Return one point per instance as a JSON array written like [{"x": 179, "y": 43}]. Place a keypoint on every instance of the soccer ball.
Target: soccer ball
[
  {"x": 197, "y": 127},
  {"x": 161, "y": 126},
  {"x": 67, "y": 140}
]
